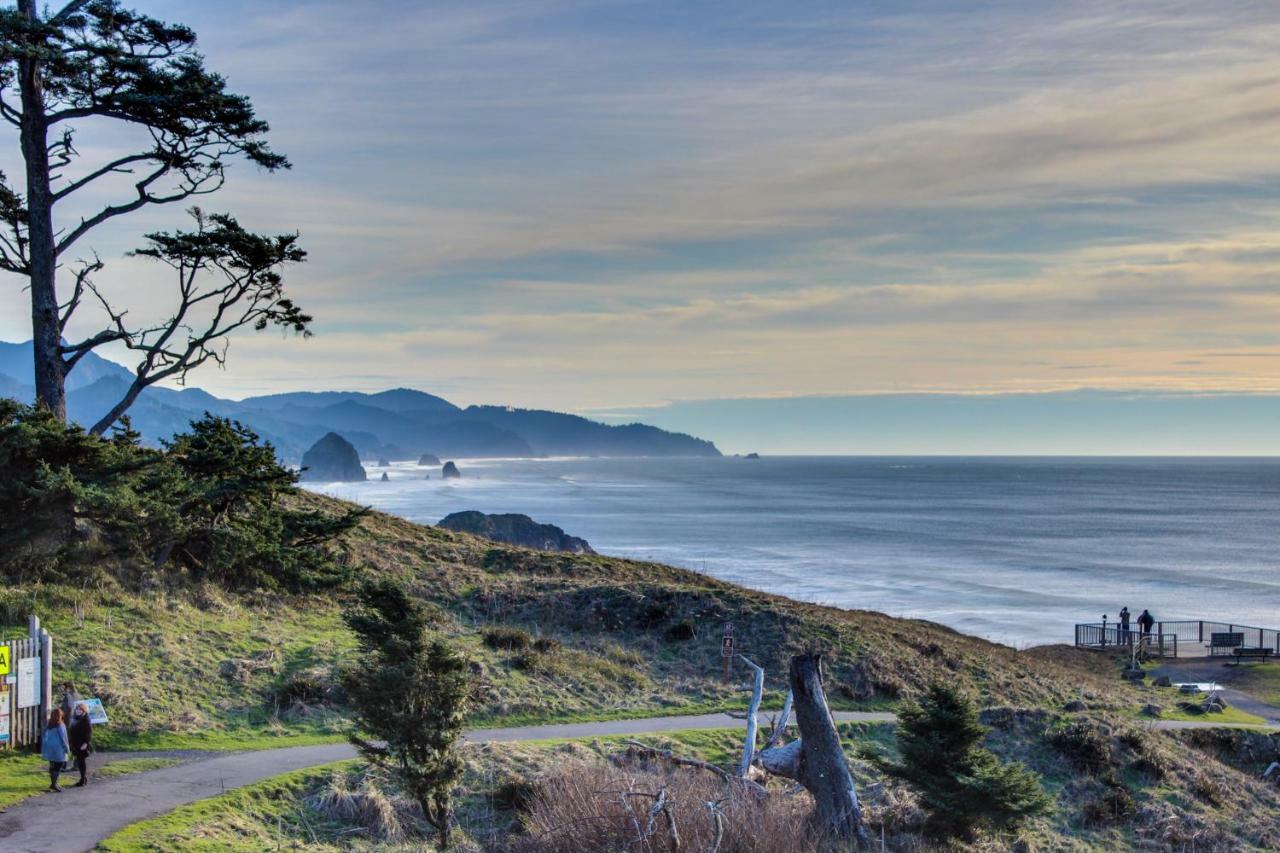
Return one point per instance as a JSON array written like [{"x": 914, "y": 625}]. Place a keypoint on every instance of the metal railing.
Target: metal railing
[
  {"x": 1169, "y": 633},
  {"x": 1104, "y": 635},
  {"x": 1202, "y": 631}
]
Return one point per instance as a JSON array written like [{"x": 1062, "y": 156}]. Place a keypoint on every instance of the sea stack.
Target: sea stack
[
  {"x": 515, "y": 529},
  {"x": 385, "y": 478},
  {"x": 384, "y": 462},
  {"x": 429, "y": 459},
  {"x": 450, "y": 472},
  {"x": 332, "y": 459}
]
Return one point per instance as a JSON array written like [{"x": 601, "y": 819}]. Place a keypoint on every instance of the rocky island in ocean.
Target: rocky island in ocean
[
  {"x": 515, "y": 529},
  {"x": 333, "y": 459}
]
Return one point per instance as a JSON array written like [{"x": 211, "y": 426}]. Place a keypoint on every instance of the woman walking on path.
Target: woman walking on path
[
  {"x": 54, "y": 747},
  {"x": 81, "y": 741}
]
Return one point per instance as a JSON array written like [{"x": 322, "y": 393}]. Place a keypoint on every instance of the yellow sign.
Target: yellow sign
[{"x": 4, "y": 659}]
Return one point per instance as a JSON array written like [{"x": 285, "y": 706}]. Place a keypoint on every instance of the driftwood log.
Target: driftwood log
[{"x": 817, "y": 760}]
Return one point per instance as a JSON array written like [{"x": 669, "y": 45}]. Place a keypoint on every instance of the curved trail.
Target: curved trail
[{"x": 77, "y": 819}]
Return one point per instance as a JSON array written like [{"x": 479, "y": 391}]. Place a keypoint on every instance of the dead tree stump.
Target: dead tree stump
[{"x": 817, "y": 760}]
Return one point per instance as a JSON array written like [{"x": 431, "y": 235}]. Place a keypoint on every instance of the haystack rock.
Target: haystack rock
[
  {"x": 515, "y": 529},
  {"x": 331, "y": 459},
  {"x": 450, "y": 472}
]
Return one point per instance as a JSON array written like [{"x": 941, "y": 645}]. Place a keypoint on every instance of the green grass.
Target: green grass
[
  {"x": 24, "y": 775},
  {"x": 251, "y": 819},
  {"x": 274, "y": 812},
  {"x": 1260, "y": 680},
  {"x": 1229, "y": 716}
]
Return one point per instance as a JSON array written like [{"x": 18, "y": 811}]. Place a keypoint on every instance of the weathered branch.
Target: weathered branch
[
  {"x": 635, "y": 749},
  {"x": 115, "y": 166},
  {"x": 780, "y": 723},
  {"x": 753, "y": 713}
]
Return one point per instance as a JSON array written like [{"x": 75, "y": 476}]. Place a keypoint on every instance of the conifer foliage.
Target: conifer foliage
[
  {"x": 212, "y": 505},
  {"x": 961, "y": 785},
  {"x": 410, "y": 694}
]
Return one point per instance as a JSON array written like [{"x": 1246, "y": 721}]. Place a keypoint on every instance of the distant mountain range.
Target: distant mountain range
[{"x": 398, "y": 424}]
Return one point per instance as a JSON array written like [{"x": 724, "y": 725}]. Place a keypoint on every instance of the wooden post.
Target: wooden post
[
  {"x": 46, "y": 676},
  {"x": 726, "y": 649}
]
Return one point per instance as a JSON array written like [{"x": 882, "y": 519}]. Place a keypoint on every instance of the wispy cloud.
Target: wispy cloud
[{"x": 602, "y": 204}]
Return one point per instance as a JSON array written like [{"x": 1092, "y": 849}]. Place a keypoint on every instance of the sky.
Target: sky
[{"x": 611, "y": 207}]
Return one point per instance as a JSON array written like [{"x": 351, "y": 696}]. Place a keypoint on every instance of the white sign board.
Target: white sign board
[{"x": 28, "y": 682}]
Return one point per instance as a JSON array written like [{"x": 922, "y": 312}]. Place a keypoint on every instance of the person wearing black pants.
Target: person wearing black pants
[
  {"x": 54, "y": 747},
  {"x": 81, "y": 741}
]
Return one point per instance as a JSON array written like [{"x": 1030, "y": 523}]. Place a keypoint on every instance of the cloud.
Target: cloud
[{"x": 590, "y": 205}]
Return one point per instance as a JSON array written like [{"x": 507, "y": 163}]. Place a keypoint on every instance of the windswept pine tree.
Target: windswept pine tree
[{"x": 93, "y": 63}]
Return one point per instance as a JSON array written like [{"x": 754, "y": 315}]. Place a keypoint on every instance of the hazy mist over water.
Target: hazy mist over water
[{"x": 1015, "y": 550}]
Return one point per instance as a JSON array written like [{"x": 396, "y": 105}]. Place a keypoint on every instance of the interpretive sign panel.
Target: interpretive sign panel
[{"x": 28, "y": 682}]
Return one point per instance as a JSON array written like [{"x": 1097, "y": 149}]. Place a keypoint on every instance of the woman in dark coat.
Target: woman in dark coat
[{"x": 81, "y": 737}]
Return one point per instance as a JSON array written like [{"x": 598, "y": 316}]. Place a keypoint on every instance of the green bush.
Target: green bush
[
  {"x": 1084, "y": 744},
  {"x": 210, "y": 506},
  {"x": 507, "y": 639},
  {"x": 1111, "y": 806},
  {"x": 681, "y": 632},
  {"x": 961, "y": 785}
]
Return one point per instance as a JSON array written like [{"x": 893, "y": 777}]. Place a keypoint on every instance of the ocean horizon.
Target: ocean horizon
[{"x": 1015, "y": 549}]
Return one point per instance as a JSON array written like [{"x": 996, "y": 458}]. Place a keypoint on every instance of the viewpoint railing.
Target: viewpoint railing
[
  {"x": 1201, "y": 631},
  {"x": 1105, "y": 635},
  {"x": 1192, "y": 635}
]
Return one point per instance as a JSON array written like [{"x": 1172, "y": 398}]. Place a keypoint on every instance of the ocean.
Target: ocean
[{"x": 1016, "y": 550}]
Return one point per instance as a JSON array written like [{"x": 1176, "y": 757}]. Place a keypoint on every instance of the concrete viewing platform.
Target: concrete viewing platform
[{"x": 1185, "y": 638}]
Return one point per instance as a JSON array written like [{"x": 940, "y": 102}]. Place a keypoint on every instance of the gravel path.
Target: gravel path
[{"x": 78, "y": 818}]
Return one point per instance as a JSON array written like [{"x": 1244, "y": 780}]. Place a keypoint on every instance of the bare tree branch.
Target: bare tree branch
[
  {"x": 251, "y": 294},
  {"x": 753, "y": 713}
]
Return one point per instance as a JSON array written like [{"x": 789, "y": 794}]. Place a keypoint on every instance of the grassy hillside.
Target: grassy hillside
[
  {"x": 551, "y": 636},
  {"x": 555, "y": 637}
]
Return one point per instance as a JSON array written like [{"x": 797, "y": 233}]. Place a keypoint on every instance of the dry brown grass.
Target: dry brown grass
[
  {"x": 366, "y": 802},
  {"x": 590, "y": 807}
]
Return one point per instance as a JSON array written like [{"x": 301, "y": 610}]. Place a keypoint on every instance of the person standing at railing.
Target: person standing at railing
[
  {"x": 1124, "y": 625},
  {"x": 1146, "y": 621}
]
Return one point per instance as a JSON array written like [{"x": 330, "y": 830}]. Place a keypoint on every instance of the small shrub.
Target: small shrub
[
  {"x": 515, "y": 794},
  {"x": 584, "y": 808},
  {"x": 1084, "y": 745},
  {"x": 1151, "y": 765},
  {"x": 506, "y": 638},
  {"x": 1111, "y": 806},
  {"x": 1209, "y": 789},
  {"x": 680, "y": 632},
  {"x": 546, "y": 645},
  {"x": 533, "y": 661},
  {"x": 365, "y": 803},
  {"x": 654, "y": 613},
  {"x": 305, "y": 687}
]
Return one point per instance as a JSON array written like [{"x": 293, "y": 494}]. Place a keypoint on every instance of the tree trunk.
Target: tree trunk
[
  {"x": 817, "y": 759},
  {"x": 46, "y": 332}
]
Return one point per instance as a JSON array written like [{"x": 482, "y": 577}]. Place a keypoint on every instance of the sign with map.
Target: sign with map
[{"x": 97, "y": 713}]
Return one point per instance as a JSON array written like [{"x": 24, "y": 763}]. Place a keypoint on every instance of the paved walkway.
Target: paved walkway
[{"x": 78, "y": 818}]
